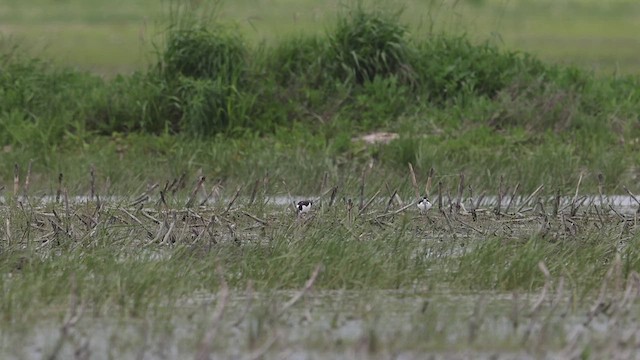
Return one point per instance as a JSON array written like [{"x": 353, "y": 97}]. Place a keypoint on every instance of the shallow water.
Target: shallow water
[
  {"x": 623, "y": 203},
  {"x": 340, "y": 325}
]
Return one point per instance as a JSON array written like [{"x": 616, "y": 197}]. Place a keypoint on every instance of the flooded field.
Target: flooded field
[
  {"x": 247, "y": 277},
  {"x": 345, "y": 325}
]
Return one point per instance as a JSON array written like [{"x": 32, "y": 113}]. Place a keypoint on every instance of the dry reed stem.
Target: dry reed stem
[
  {"x": 92, "y": 175},
  {"x": 526, "y": 201},
  {"x": 254, "y": 192},
  {"x": 393, "y": 195},
  {"x": 427, "y": 187},
  {"x": 366, "y": 205},
  {"x": 362, "y": 184},
  {"x": 204, "y": 350},
  {"x": 259, "y": 353},
  {"x": 247, "y": 308},
  {"x": 601, "y": 188},
  {"x": 16, "y": 181},
  {"x": 472, "y": 205},
  {"x": 263, "y": 222},
  {"x": 307, "y": 286},
  {"x": 475, "y": 322},
  {"x": 632, "y": 196},
  {"x": 458, "y": 203},
  {"x": 27, "y": 181},
  {"x": 440, "y": 196},
  {"x": 470, "y": 226},
  {"x": 556, "y": 204},
  {"x": 547, "y": 285},
  {"x": 325, "y": 180},
  {"x": 74, "y": 313},
  {"x": 334, "y": 193},
  {"x": 233, "y": 200},
  {"x": 414, "y": 182},
  {"x": 535, "y": 309},
  {"x": 396, "y": 212},
  {"x": 7, "y": 224},
  {"x": 496, "y": 209},
  {"x": 513, "y": 196},
  {"x": 574, "y": 209},
  {"x": 194, "y": 192}
]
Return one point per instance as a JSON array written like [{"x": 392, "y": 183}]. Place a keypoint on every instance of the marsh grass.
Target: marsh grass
[
  {"x": 293, "y": 107},
  {"x": 139, "y": 247},
  {"x": 146, "y": 256}
]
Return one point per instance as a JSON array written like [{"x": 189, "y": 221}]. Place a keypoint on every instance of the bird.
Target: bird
[
  {"x": 424, "y": 204},
  {"x": 304, "y": 206}
]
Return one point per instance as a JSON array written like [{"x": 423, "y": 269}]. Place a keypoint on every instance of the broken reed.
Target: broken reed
[{"x": 161, "y": 217}]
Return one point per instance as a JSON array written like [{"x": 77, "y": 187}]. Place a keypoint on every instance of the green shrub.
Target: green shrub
[
  {"x": 202, "y": 52},
  {"x": 450, "y": 67},
  {"x": 367, "y": 44},
  {"x": 297, "y": 60},
  {"x": 139, "y": 102}
]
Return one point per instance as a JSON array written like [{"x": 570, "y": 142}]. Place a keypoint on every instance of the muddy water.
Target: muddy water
[{"x": 340, "y": 325}]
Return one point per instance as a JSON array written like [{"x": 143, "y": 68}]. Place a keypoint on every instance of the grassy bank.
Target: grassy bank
[{"x": 232, "y": 109}]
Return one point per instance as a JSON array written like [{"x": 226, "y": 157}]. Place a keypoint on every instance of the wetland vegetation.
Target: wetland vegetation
[{"x": 149, "y": 214}]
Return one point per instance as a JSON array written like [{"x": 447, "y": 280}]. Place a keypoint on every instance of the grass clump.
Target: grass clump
[
  {"x": 369, "y": 44},
  {"x": 202, "y": 52}
]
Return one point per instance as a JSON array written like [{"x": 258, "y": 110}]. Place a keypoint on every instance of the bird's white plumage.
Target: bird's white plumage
[
  {"x": 304, "y": 206},
  {"x": 424, "y": 204}
]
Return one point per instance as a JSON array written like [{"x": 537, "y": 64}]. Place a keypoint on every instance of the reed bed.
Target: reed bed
[{"x": 150, "y": 255}]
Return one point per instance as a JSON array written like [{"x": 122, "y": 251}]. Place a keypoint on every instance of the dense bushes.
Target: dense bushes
[{"x": 366, "y": 71}]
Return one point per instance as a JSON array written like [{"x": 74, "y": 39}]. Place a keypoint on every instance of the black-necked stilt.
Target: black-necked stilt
[
  {"x": 424, "y": 204},
  {"x": 304, "y": 206}
]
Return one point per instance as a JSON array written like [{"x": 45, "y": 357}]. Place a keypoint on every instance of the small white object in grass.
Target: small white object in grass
[
  {"x": 304, "y": 206},
  {"x": 424, "y": 204}
]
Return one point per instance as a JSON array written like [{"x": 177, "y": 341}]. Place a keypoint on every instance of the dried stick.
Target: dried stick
[
  {"x": 472, "y": 204},
  {"x": 386, "y": 209},
  {"x": 263, "y": 222},
  {"x": 545, "y": 288},
  {"x": 72, "y": 317},
  {"x": 204, "y": 350},
  {"x": 396, "y": 212},
  {"x": 574, "y": 209},
  {"x": 440, "y": 196},
  {"x": 460, "y": 191},
  {"x": 513, "y": 196},
  {"x": 632, "y": 196},
  {"x": 556, "y": 204},
  {"x": 496, "y": 210},
  {"x": 307, "y": 286},
  {"x": 427, "y": 187},
  {"x": 254, "y": 192},
  {"x": 531, "y": 196},
  {"x": 195, "y": 191},
  {"x": 248, "y": 307},
  {"x": 92, "y": 174},
  {"x": 233, "y": 200},
  {"x": 362, "y": 182},
  {"x": 334, "y": 193},
  {"x": 414, "y": 182},
  {"x": 349, "y": 208},
  {"x": 323, "y": 184},
  {"x": 16, "y": 181},
  {"x": 27, "y": 180},
  {"x": 601, "y": 188},
  {"x": 366, "y": 205}
]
